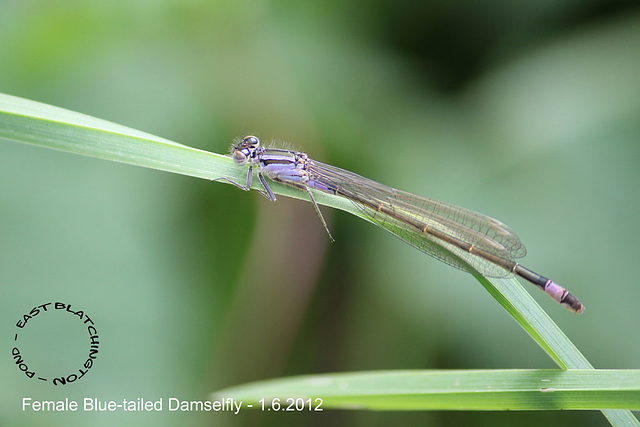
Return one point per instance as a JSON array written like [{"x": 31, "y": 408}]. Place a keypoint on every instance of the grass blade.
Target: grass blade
[{"x": 464, "y": 390}]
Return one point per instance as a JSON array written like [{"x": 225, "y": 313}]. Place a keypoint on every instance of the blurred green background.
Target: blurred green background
[{"x": 528, "y": 112}]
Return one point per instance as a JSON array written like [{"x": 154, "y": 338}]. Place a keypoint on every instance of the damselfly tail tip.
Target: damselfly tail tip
[
  {"x": 575, "y": 305},
  {"x": 572, "y": 303},
  {"x": 563, "y": 296}
]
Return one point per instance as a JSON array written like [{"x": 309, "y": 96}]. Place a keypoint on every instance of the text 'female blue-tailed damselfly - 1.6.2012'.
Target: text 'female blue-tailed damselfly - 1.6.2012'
[{"x": 454, "y": 235}]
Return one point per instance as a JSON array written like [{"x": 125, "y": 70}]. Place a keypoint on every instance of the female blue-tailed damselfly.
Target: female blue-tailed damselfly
[{"x": 454, "y": 235}]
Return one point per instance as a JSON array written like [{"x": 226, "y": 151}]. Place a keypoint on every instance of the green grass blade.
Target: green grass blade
[
  {"x": 31, "y": 122},
  {"x": 477, "y": 390},
  {"x": 51, "y": 127}
]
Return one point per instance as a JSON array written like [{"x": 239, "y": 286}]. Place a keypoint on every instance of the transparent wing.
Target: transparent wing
[{"x": 407, "y": 216}]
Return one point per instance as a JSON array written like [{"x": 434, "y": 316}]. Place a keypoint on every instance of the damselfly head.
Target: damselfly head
[{"x": 245, "y": 150}]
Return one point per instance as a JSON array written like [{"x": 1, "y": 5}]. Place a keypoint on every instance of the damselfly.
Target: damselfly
[{"x": 454, "y": 235}]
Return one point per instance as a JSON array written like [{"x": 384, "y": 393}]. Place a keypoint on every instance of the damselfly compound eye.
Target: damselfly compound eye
[
  {"x": 251, "y": 141},
  {"x": 240, "y": 156}
]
